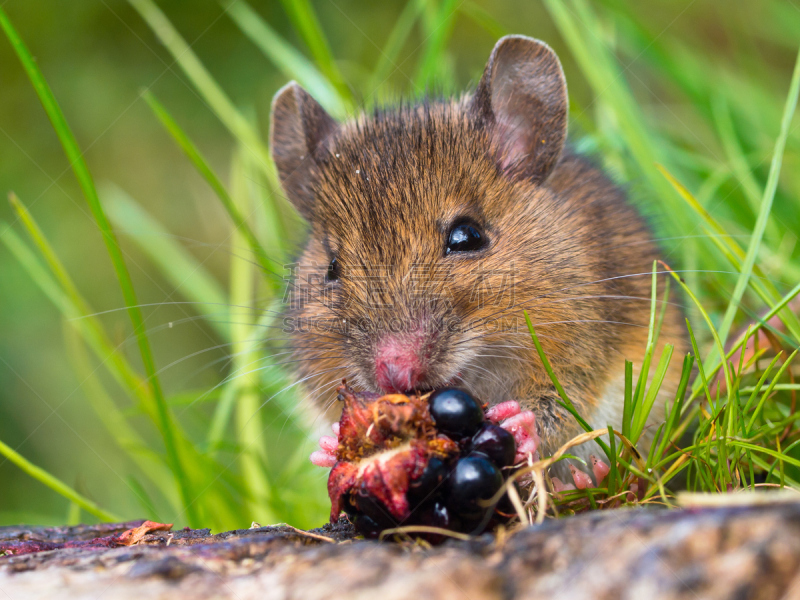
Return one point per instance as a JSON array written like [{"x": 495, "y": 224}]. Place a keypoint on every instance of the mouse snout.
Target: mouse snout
[{"x": 399, "y": 366}]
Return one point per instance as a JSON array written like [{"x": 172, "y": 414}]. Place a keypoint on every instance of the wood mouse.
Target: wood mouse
[{"x": 434, "y": 224}]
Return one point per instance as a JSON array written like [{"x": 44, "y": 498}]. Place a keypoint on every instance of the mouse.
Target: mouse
[{"x": 435, "y": 225}]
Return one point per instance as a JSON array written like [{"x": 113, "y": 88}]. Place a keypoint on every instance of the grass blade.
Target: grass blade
[
  {"x": 86, "y": 183},
  {"x": 305, "y": 21},
  {"x": 56, "y": 484},
  {"x": 210, "y": 90},
  {"x": 249, "y": 426},
  {"x": 484, "y": 18},
  {"x": 291, "y": 62},
  {"x": 434, "y": 58},
  {"x": 643, "y": 409},
  {"x": 766, "y": 205},
  {"x": 211, "y": 178},
  {"x": 178, "y": 265},
  {"x": 567, "y": 403},
  {"x": 397, "y": 38}
]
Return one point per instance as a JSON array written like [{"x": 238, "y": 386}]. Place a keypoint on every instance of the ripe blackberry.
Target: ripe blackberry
[
  {"x": 416, "y": 460},
  {"x": 456, "y": 413},
  {"x": 496, "y": 443},
  {"x": 472, "y": 482}
]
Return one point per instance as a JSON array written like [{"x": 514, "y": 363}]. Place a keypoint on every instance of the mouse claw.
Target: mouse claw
[
  {"x": 502, "y": 411},
  {"x": 581, "y": 479},
  {"x": 599, "y": 468},
  {"x": 561, "y": 487},
  {"x": 522, "y": 425}
]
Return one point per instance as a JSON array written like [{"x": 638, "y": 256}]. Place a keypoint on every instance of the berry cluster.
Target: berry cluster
[{"x": 431, "y": 460}]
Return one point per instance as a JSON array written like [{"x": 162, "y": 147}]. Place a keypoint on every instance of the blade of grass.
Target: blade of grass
[
  {"x": 766, "y": 206},
  {"x": 433, "y": 57},
  {"x": 212, "y": 93},
  {"x": 305, "y": 20},
  {"x": 66, "y": 297},
  {"x": 567, "y": 403},
  {"x": 484, "y": 18},
  {"x": 248, "y": 418},
  {"x": 77, "y": 312},
  {"x": 178, "y": 265},
  {"x": 709, "y": 323},
  {"x": 735, "y": 155},
  {"x": 291, "y": 62},
  {"x": 397, "y": 38},
  {"x": 769, "y": 389},
  {"x": 677, "y": 407},
  {"x": 211, "y": 178},
  {"x": 643, "y": 411},
  {"x": 126, "y": 436},
  {"x": 94, "y": 335},
  {"x": 57, "y": 485},
  {"x": 627, "y": 406},
  {"x": 579, "y": 27},
  {"x": 79, "y": 167}
]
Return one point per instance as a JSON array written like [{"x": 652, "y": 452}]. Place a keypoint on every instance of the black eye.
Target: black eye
[
  {"x": 333, "y": 271},
  {"x": 465, "y": 237}
]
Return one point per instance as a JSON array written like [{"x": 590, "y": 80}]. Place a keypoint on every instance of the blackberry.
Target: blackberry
[
  {"x": 456, "y": 413},
  {"x": 496, "y": 443},
  {"x": 375, "y": 510},
  {"x": 366, "y": 526},
  {"x": 427, "y": 484},
  {"x": 473, "y": 480},
  {"x": 430, "y": 461}
]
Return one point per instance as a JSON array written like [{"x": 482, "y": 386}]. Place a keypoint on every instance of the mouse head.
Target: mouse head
[{"x": 428, "y": 223}]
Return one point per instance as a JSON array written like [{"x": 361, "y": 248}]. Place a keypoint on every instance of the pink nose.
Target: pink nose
[{"x": 397, "y": 366}]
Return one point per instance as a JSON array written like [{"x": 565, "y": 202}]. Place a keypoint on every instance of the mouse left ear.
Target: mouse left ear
[
  {"x": 299, "y": 129},
  {"x": 522, "y": 99}
]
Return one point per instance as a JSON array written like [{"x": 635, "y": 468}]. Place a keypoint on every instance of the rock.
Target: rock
[{"x": 715, "y": 552}]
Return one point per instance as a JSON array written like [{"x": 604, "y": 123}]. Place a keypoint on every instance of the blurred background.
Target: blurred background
[{"x": 695, "y": 85}]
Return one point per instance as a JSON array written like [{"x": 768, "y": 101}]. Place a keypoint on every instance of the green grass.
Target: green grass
[{"x": 237, "y": 451}]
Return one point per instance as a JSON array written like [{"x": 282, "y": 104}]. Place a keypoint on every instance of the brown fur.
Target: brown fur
[{"x": 381, "y": 192}]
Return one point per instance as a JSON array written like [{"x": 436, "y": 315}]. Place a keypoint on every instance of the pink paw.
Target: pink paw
[
  {"x": 519, "y": 423},
  {"x": 326, "y": 456}
]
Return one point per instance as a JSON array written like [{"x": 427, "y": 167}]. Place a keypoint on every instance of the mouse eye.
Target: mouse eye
[
  {"x": 465, "y": 236},
  {"x": 333, "y": 270}
]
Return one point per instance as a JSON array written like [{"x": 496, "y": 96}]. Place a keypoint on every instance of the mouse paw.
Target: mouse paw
[
  {"x": 326, "y": 455},
  {"x": 519, "y": 423}
]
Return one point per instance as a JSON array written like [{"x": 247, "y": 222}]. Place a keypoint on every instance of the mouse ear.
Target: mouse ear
[
  {"x": 298, "y": 131},
  {"x": 522, "y": 99}
]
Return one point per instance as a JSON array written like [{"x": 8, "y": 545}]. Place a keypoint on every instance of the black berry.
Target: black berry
[
  {"x": 375, "y": 510},
  {"x": 434, "y": 514},
  {"x": 427, "y": 484},
  {"x": 473, "y": 479},
  {"x": 456, "y": 413},
  {"x": 366, "y": 526},
  {"x": 496, "y": 443}
]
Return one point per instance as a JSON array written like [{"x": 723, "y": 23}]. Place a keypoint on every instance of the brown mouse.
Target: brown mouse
[{"x": 433, "y": 225}]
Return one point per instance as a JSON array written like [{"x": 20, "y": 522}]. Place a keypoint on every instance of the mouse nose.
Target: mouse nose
[{"x": 398, "y": 367}]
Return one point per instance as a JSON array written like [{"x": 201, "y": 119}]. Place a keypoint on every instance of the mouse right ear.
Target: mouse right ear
[
  {"x": 298, "y": 131},
  {"x": 522, "y": 100}
]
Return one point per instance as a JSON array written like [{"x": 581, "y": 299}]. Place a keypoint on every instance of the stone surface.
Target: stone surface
[{"x": 723, "y": 552}]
